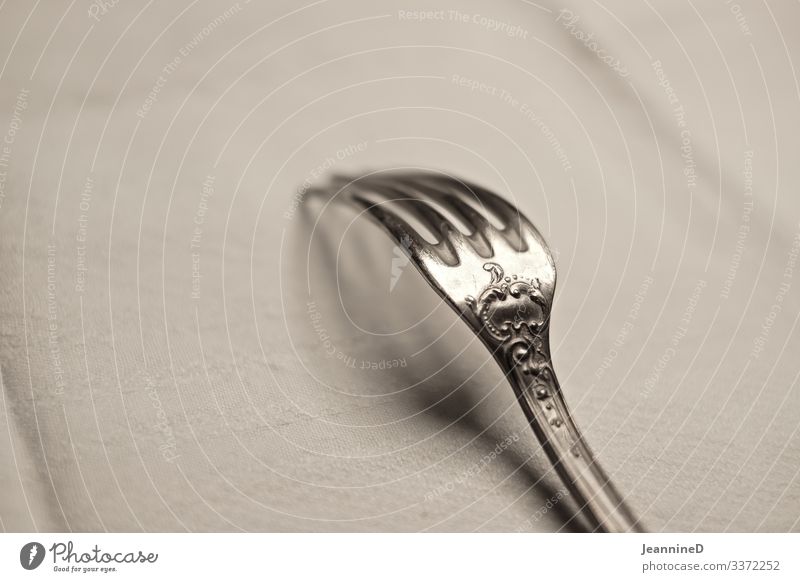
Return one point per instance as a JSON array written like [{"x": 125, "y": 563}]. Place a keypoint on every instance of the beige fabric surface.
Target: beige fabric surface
[{"x": 307, "y": 379}]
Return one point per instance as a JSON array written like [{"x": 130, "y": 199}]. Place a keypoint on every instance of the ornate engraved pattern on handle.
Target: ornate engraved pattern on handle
[{"x": 514, "y": 314}]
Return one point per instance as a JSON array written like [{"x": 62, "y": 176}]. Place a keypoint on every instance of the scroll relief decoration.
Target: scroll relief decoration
[{"x": 514, "y": 313}]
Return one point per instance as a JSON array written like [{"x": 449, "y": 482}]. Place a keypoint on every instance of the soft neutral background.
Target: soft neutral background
[{"x": 137, "y": 402}]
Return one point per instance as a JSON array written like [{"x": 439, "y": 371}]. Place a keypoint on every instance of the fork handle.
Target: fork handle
[{"x": 539, "y": 393}]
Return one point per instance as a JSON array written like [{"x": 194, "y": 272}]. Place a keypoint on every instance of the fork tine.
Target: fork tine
[
  {"x": 448, "y": 236},
  {"x": 446, "y": 195},
  {"x": 482, "y": 229},
  {"x": 515, "y": 223},
  {"x": 435, "y": 221},
  {"x": 403, "y": 233},
  {"x": 474, "y": 219}
]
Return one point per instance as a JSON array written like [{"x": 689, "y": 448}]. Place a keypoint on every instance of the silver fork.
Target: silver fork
[{"x": 501, "y": 281}]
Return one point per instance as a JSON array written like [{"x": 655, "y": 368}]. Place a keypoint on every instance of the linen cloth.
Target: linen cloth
[{"x": 189, "y": 344}]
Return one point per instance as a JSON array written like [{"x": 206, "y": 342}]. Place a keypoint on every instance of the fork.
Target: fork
[{"x": 501, "y": 281}]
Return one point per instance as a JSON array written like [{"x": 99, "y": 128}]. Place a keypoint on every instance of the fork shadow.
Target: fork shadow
[{"x": 432, "y": 394}]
